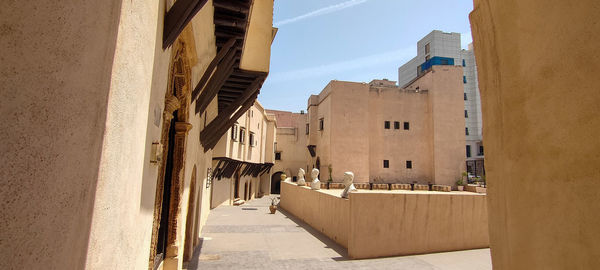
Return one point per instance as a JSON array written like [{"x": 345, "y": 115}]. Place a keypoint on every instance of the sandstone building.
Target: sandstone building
[
  {"x": 290, "y": 146},
  {"x": 441, "y": 48},
  {"x": 112, "y": 110},
  {"x": 381, "y": 132},
  {"x": 243, "y": 158},
  {"x": 538, "y": 69}
]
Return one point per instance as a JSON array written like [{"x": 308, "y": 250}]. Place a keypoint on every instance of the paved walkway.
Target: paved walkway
[{"x": 249, "y": 237}]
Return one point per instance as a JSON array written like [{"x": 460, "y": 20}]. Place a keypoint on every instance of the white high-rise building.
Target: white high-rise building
[{"x": 441, "y": 48}]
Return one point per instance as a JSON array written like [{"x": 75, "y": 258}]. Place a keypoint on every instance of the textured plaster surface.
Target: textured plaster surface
[
  {"x": 249, "y": 237},
  {"x": 391, "y": 223},
  {"x": 117, "y": 217},
  {"x": 56, "y": 60},
  {"x": 538, "y": 75}
]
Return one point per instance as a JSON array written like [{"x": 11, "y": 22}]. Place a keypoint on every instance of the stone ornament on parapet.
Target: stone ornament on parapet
[
  {"x": 349, "y": 186},
  {"x": 301, "y": 181},
  {"x": 315, "y": 184}
]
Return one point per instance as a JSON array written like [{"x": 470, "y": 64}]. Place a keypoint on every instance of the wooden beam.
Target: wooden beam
[
  {"x": 224, "y": 69},
  {"x": 211, "y": 67},
  {"x": 232, "y": 84},
  {"x": 230, "y": 7},
  {"x": 210, "y": 142},
  {"x": 211, "y": 130},
  {"x": 233, "y": 89},
  {"x": 233, "y": 78},
  {"x": 176, "y": 19},
  {"x": 229, "y": 23}
]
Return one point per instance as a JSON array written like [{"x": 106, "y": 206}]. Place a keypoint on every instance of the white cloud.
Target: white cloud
[
  {"x": 321, "y": 11},
  {"x": 398, "y": 56}
]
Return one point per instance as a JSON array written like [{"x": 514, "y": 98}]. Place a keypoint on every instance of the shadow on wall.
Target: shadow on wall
[
  {"x": 160, "y": 74},
  {"x": 61, "y": 81}
]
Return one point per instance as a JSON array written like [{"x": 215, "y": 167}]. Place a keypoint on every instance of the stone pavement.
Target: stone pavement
[{"x": 249, "y": 237}]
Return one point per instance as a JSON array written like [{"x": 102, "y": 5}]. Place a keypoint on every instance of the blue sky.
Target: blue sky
[{"x": 351, "y": 40}]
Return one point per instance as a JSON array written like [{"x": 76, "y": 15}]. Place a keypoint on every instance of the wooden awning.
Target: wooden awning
[
  {"x": 226, "y": 167},
  {"x": 177, "y": 18},
  {"x": 235, "y": 88},
  {"x": 237, "y": 36}
]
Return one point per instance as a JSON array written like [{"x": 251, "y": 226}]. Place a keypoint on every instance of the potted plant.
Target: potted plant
[
  {"x": 460, "y": 184},
  {"x": 273, "y": 207}
]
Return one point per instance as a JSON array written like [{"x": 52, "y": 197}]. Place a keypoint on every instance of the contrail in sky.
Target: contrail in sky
[
  {"x": 322, "y": 11},
  {"x": 365, "y": 62}
]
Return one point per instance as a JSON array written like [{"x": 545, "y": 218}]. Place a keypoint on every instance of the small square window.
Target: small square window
[
  {"x": 464, "y": 79},
  {"x": 427, "y": 47},
  {"x": 234, "y": 132},
  {"x": 242, "y": 135},
  {"x": 466, "y": 114},
  {"x": 396, "y": 125},
  {"x": 468, "y": 151},
  {"x": 467, "y": 131},
  {"x": 252, "y": 139},
  {"x": 321, "y": 125},
  {"x": 307, "y": 129},
  {"x": 464, "y": 63},
  {"x": 481, "y": 150},
  {"x": 277, "y": 155},
  {"x": 409, "y": 164},
  {"x": 465, "y": 96},
  {"x": 386, "y": 125},
  {"x": 386, "y": 163},
  {"x": 406, "y": 126}
]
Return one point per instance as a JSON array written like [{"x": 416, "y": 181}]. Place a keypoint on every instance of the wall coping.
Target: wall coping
[{"x": 338, "y": 192}]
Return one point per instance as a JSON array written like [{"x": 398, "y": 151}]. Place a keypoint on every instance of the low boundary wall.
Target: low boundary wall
[
  {"x": 374, "y": 224},
  {"x": 306, "y": 205}
]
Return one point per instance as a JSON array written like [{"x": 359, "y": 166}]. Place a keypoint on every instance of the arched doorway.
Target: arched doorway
[
  {"x": 169, "y": 188},
  {"x": 276, "y": 183}
]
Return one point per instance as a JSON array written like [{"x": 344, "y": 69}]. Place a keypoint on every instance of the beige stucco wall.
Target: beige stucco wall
[
  {"x": 377, "y": 224},
  {"x": 56, "y": 60},
  {"x": 405, "y": 222},
  {"x": 348, "y": 127},
  {"x": 445, "y": 87},
  {"x": 308, "y": 206},
  {"x": 85, "y": 84},
  {"x": 95, "y": 125},
  {"x": 291, "y": 143},
  {"x": 537, "y": 67},
  {"x": 254, "y": 120},
  {"x": 399, "y": 145},
  {"x": 320, "y": 108},
  {"x": 124, "y": 205}
]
